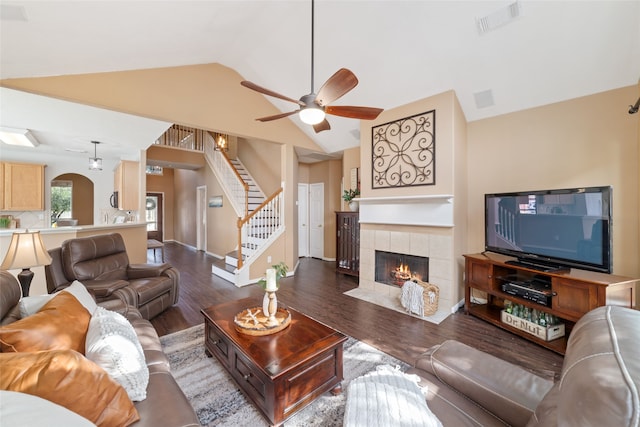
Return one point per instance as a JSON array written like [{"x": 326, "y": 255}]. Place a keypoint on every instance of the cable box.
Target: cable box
[{"x": 535, "y": 290}]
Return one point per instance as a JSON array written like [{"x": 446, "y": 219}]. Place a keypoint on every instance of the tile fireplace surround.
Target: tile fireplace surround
[{"x": 420, "y": 226}]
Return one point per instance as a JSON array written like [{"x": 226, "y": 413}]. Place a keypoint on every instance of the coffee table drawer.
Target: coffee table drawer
[
  {"x": 217, "y": 344},
  {"x": 322, "y": 373},
  {"x": 249, "y": 378}
]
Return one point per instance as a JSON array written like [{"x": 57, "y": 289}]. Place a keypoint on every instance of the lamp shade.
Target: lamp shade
[{"x": 26, "y": 250}]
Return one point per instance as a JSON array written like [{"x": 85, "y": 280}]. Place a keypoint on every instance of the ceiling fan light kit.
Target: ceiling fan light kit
[{"x": 314, "y": 107}]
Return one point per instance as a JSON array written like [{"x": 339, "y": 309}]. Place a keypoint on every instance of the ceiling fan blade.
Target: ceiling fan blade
[
  {"x": 336, "y": 86},
  {"x": 364, "y": 113},
  {"x": 265, "y": 91},
  {"x": 276, "y": 116},
  {"x": 323, "y": 125}
]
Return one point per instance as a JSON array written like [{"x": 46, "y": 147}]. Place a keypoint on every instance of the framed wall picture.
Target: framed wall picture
[
  {"x": 403, "y": 152},
  {"x": 215, "y": 202}
]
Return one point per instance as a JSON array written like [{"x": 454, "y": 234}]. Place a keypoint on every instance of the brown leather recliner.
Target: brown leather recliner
[{"x": 101, "y": 264}]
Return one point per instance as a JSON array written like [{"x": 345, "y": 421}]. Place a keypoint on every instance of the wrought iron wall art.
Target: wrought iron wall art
[{"x": 404, "y": 152}]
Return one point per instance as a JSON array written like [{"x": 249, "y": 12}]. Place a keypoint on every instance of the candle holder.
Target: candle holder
[{"x": 270, "y": 307}]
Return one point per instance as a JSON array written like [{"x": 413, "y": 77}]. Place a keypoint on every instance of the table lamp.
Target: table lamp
[{"x": 26, "y": 250}]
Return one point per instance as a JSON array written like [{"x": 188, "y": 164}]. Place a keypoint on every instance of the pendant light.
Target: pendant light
[{"x": 95, "y": 162}]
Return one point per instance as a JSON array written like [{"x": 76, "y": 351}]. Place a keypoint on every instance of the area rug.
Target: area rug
[
  {"x": 219, "y": 402},
  {"x": 393, "y": 302}
]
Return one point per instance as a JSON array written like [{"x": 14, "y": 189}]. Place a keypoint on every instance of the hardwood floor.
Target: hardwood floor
[{"x": 317, "y": 290}]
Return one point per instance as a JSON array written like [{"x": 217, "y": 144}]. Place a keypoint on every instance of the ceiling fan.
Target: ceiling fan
[{"x": 314, "y": 107}]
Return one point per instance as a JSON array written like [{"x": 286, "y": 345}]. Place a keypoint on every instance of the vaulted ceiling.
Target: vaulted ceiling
[{"x": 400, "y": 51}]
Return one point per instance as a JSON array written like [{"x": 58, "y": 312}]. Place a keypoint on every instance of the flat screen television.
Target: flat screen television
[{"x": 552, "y": 229}]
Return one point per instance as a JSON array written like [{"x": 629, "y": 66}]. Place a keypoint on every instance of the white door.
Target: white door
[
  {"x": 201, "y": 218},
  {"x": 316, "y": 220},
  {"x": 303, "y": 220}
]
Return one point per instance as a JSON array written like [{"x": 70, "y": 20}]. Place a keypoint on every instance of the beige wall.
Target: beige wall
[
  {"x": 164, "y": 184},
  {"x": 184, "y": 225},
  {"x": 262, "y": 160},
  {"x": 587, "y": 141},
  {"x": 350, "y": 160}
]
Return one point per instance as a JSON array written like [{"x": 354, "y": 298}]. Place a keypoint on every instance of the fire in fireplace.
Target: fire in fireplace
[{"x": 394, "y": 269}]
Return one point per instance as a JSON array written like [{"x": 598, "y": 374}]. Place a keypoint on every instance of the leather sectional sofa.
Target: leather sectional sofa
[
  {"x": 165, "y": 403},
  {"x": 599, "y": 384},
  {"x": 101, "y": 263}
]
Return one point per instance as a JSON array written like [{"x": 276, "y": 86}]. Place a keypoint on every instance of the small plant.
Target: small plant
[
  {"x": 281, "y": 271},
  {"x": 350, "y": 194},
  {"x": 5, "y": 222}
]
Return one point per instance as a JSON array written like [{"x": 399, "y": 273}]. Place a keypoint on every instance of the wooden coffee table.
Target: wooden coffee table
[{"x": 280, "y": 373}]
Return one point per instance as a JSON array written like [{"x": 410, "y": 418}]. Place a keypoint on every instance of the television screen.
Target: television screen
[{"x": 555, "y": 228}]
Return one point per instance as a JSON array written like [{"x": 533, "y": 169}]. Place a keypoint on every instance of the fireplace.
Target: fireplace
[{"x": 394, "y": 269}]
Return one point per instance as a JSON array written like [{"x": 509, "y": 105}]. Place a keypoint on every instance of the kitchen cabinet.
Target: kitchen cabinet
[
  {"x": 22, "y": 186},
  {"x": 127, "y": 185}
]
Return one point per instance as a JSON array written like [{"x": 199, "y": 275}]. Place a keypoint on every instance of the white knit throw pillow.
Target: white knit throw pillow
[{"x": 112, "y": 343}]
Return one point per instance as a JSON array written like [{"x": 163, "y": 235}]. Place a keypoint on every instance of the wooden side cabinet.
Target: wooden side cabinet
[
  {"x": 22, "y": 187},
  {"x": 348, "y": 243},
  {"x": 127, "y": 185},
  {"x": 572, "y": 292}
]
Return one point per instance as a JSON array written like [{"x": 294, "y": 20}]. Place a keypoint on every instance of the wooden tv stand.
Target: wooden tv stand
[{"x": 574, "y": 293}]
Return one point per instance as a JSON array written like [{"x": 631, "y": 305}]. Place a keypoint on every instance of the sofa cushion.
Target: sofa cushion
[
  {"x": 31, "y": 305},
  {"x": 112, "y": 344},
  {"x": 601, "y": 370},
  {"x": 60, "y": 324},
  {"x": 21, "y": 409},
  {"x": 151, "y": 288},
  {"x": 506, "y": 390},
  {"x": 69, "y": 379}
]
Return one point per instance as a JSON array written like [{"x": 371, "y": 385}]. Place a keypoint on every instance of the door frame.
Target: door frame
[
  {"x": 303, "y": 223},
  {"x": 313, "y": 227},
  {"x": 201, "y": 218},
  {"x": 160, "y": 196}
]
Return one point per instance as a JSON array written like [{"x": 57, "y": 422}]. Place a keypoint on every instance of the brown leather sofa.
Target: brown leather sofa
[
  {"x": 599, "y": 384},
  {"x": 165, "y": 405},
  {"x": 101, "y": 264}
]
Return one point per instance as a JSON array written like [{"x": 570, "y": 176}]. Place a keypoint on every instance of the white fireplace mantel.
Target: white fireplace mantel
[{"x": 425, "y": 210}]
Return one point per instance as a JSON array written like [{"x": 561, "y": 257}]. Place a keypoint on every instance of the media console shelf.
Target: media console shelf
[{"x": 573, "y": 293}]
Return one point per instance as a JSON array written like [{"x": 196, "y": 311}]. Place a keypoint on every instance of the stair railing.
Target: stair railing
[
  {"x": 265, "y": 220},
  {"x": 236, "y": 188}
]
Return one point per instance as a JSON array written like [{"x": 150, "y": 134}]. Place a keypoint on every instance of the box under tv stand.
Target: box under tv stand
[{"x": 573, "y": 293}]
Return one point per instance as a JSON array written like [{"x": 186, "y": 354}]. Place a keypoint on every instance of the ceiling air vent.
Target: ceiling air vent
[{"x": 499, "y": 18}]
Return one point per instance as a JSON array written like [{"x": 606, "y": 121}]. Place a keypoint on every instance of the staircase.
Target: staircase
[{"x": 260, "y": 219}]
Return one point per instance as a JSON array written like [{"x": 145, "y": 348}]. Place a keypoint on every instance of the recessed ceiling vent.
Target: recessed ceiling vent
[{"x": 499, "y": 18}]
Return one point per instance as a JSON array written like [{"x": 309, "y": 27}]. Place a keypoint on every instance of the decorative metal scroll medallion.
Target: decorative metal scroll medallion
[{"x": 404, "y": 152}]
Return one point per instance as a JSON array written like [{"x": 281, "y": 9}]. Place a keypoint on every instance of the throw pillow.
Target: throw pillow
[
  {"x": 67, "y": 378},
  {"x": 31, "y": 305},
  {"x": 112, "y": 343},
  {"x": 21, "y": 409},
  {"x": 387, "y": 397},
  {"x": 60, "y": 324}
]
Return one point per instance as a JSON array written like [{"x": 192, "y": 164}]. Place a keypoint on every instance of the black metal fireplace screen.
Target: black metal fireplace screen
[{"x": 394, "y": 269}]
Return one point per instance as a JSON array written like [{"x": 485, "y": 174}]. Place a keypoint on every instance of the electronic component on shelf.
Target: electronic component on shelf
[{"x": 535, "y": 290}]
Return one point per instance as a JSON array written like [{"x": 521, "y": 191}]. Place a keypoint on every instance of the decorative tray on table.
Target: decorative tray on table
[{"x": 252, "y": 321}]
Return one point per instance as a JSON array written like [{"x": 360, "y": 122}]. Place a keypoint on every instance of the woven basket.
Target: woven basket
[{"x": 430, "y": 300}]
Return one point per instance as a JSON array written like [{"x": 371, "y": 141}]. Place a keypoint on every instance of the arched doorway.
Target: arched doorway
[{"x": 72, "y": 197}]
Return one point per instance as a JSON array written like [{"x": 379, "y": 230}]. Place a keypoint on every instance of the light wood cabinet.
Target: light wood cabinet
[
  {"x": 573, "y": 293},
  {"x": 22, "y": 187},
  {"x": 127, "y": 185}
]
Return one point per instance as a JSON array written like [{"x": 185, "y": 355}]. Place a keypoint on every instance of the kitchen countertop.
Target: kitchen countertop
[{"x": 73, "y": 229}]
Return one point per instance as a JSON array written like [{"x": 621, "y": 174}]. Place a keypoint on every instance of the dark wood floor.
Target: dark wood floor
[{"x": 317, "y": 290}]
